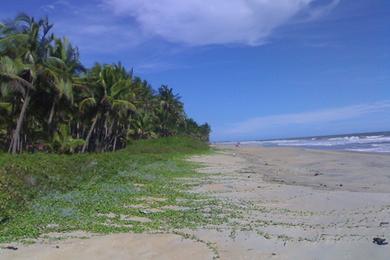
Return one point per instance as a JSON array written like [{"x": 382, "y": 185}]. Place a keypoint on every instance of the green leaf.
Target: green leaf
[
  {"x": 6, "y": 106},
  {"x": 86, "y": 103}
]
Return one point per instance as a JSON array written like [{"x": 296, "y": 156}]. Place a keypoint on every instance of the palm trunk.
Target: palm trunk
[
  {"x": 89, "y": 134},
  {"x": 111, "y": 128},
  {"x": 78, "y": 130},
  {"x": 15, "y": 142},
  {"x": 114, "y": 147},
  {"x": 105, "y": 129},
  {"x": 51, "y": 115}
]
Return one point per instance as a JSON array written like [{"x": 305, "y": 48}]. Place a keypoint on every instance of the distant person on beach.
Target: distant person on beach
[{"x": 238, "y": 145}]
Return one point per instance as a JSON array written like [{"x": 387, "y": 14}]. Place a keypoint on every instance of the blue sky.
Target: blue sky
[{"x": 252, "y": 69}]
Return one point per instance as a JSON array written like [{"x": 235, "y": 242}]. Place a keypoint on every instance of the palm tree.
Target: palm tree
[
  {"x": 64, "y": 64},
  {"x": 170, "y": 111},
  {"x": 24, "y": 44},
  {"x": 47, "y": 98},
  {"x": 111, "y": 100},
  {"x": 11, "y": 74},
  {"x": 143, "y": 126}
]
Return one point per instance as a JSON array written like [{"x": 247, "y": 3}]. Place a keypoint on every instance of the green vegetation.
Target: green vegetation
[
  {"x": 50, "y": 102},
  {"x": 57, "y": 110},
  {"x": 142, "y": 187}
]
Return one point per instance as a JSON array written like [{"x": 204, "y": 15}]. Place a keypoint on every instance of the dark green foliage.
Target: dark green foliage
[{"x": 50, "y": 102}]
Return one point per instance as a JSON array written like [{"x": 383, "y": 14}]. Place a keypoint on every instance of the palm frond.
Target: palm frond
[
  {"x": 10, "y": 70},
  {"x": 86, "y": 103},
  {"x": 65, "y": 88},
  {"x": 120, "y": 88},
  {"x": 6, "y": 106},
  {"x": 123, "y": 104}
]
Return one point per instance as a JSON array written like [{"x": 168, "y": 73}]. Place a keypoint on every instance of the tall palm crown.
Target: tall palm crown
[{"x": 170, "y": 111}]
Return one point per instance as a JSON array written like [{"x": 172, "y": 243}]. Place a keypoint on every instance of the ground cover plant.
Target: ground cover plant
[{"x": 136, "y": 189}]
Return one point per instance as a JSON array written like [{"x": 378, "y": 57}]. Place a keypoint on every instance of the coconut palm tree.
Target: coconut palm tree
[
  {"x": 143, "y": 126},
  {"x": 48, "y": 99},
  {"x": 12, "y": 73},
  {"x": 111, "y": 100},
  {"x": 24, "y": 46},
  {"x": 64, "y": 64},
  {"x": 170, "y": 111}
]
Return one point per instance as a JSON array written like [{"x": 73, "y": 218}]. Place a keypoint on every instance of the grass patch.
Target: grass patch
[{"x": 104, "y": 193}]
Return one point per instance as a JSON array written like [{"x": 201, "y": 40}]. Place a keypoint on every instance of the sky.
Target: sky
[{"x": 252, "y": 69}]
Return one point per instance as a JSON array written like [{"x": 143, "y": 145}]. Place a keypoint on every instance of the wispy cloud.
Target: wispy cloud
[
  {"x": 195, "y": 22},
  {"x": 319, "y": 117},
  {"x": 57, "y": 5},
  {"x": 318, "y": 12},
  {"x": 109, "y": 27},
  {"x": 92, "y": 28}
]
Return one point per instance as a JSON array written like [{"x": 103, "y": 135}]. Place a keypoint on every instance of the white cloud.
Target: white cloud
[
  {"x": 200, "y": 22},
  {"x": 320, "y": 117},
  {"x": 60, "y": 4}
]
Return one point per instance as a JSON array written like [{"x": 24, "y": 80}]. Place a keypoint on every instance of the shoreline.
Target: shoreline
[
  {"x": 297, "y": 166},
  {"x": 303, "y": 148}
]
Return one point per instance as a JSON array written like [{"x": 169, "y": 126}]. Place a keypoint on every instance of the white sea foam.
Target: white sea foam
[
  {"x": 375, "y": 148},
  {"x": 368, "y": 143}
]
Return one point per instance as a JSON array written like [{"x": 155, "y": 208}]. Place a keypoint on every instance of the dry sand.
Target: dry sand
[
  {"x": 301, "y": 204},
  {"x": 112, "y": 247},
  {"x": 296, "y": 204}
]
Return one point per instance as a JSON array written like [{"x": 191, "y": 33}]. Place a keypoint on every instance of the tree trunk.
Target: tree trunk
[
  {"x": 51, "y": 115},
  {"x": 15, "y": 142},
  {"x": 111, "y": 128},
  {"x": 114, "y": 147},
  {"x": 89, "y": 134},
  {"x": 78, "y": 130},
  {"x": 105, "y": 128}
]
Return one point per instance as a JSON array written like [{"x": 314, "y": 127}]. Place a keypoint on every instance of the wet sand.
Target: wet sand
[
  {"x": 348, "y": 171},
  {"x": 293, "y": 204}
]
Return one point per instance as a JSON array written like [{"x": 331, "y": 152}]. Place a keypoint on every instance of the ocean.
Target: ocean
[{"x": 366, "y": 142}]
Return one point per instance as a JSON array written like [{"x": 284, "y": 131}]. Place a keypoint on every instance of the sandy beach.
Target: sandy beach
[
  {"x": 293, "y": 204},
  {"x": 302, "y": 204}
]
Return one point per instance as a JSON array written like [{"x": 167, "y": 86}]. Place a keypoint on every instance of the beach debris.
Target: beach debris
[
  {"x": 341, "y": 185},
  {"x": 52, "y": 226},
  {"x": 149, "y": 211},
  {"x": 247, "y": 171},
  {"x": 142, "y": 211},
  {"x": 57, "y": 247},
  {"x": 383, "y": 224},
  {"x": 10, "y": 248},
  {"x": 379, "y": 241}
]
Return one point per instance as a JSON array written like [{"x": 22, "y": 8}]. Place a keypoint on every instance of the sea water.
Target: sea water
[{"x": 367, "y": 142}]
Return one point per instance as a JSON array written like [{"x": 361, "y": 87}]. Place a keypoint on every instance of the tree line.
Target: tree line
[{"x": 50, "y": 102}]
